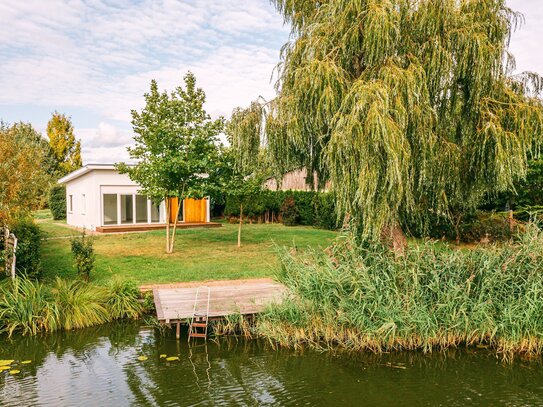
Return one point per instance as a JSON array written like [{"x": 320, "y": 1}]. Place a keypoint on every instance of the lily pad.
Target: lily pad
[
  {"x": 172, "y": 358},
  {"x": 6, "y": 362},
  {"x": 26, "y": 362},
  {"x": 14, "y": 371},
  {"x": 142, "y": 358},
  {"x": 2, "y": 368},
  {"x": 162, "y": 356}
]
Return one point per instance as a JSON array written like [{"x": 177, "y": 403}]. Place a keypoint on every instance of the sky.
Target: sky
[{"x": 94, "y": 59}]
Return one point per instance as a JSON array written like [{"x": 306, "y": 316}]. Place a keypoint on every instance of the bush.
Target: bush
[
  {"x": 57, "y": 201},
  {"x": 123, "y": 299},
  {"x": 289, "y": 212},
  {"x": 365, "y": 297},
  {"x": 83, "y": 252},
  {"x": 313, "y": 208},
  {"x": 28, "y": 246}
]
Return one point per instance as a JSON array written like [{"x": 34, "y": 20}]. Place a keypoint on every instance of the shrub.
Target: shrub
[
  {"x": 83, "y": 252},
  {"x": 57, "y": 201},
  {"x": 28, "y": 246},
  {"x": 289, "y": 212},
  {"x": 314, "y": 208}
]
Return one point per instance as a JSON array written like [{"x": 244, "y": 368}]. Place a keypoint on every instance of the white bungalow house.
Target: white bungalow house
[{"x": 99, "y": 198}]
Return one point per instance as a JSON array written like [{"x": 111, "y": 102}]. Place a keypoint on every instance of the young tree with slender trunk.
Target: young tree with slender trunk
[
  {"x": 244, "y": 159},
  {"x": 410, "y": 108},
  {"x": 176, "y": 148}
]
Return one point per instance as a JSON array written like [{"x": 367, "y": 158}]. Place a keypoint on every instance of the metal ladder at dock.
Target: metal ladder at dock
[{"x": 199, "y": 320}]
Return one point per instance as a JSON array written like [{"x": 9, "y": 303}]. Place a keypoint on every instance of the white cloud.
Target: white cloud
[{"x": 99, "y": 57}]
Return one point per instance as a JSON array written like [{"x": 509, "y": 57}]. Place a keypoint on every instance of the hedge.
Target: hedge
[
  {"x": 57, "y": 201},
  {"x": 290, "y": 207}
]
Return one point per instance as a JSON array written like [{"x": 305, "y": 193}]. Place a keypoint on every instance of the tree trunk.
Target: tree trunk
[
  {"x": 172, "y": 240},
  {"x": 394, "y": 238},
  {"x": 167, "y": 204},
  {"x": 240, "y": 222}
]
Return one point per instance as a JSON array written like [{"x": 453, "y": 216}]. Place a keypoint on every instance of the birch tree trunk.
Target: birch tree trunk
[{"x": 240, "y": 222}]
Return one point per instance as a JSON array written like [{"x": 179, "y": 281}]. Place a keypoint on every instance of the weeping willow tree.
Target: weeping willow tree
[{"x": 409, "y": 107}]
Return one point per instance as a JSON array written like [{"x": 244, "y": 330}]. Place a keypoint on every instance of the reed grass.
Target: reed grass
[
  {"x": 30, "y": 307},
  {"x": 364, "y": 297}
]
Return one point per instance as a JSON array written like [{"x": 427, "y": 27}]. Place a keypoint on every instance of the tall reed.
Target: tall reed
[{"x": 365, "y": 297}]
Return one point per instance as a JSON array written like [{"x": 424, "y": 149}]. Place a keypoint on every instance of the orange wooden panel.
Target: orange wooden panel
[
  {"x": 173, "y": 209},
  {"x": 195, "y": 210}
]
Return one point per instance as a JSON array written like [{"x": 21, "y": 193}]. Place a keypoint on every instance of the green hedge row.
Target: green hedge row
[
  {"x": 57, "y": 201},
  {"x": 291, "y": 207}
]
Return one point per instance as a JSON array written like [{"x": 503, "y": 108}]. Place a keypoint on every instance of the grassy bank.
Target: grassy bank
[
  {"x": 200, "y": 254},
  {"x": 365, "y": 298}
]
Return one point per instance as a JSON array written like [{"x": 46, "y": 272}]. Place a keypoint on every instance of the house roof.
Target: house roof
[{"x": 84, "y": 170}]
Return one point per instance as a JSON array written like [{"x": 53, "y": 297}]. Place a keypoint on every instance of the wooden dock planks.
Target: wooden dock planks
[{"x": 174, "y": 303}]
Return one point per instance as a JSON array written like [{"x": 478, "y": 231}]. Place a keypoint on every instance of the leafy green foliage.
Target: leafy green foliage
[
  {"x": 289, "y": 212},
  {"x": 176, "y": 146},
  {"x": 66, "y": 149},
  {"x": 364, "y": 297},
  {"x": 313, "y": 208},
  {"x": 57, "y": 201},
  {"x": 24, "y": 170},
  {"x": 28, "y": 246},
  {"x": 83, "y": 254},
  {"x": 410, "y": 108}
]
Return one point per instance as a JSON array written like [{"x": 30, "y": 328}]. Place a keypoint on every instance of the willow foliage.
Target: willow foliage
[{"x": 409, "y": 107}]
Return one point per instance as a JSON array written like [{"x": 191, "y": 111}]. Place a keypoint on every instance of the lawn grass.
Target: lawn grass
[{"x": 200, "y": 254}]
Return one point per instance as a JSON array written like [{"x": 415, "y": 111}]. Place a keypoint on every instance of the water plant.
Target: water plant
[
  {"x": 123, "y": 299},
  {"x": 80, "y": 304},
  {"x": 362, "y": 296}
]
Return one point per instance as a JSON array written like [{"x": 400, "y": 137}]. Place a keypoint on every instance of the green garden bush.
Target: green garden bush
[
  {"x": 28, "y": 246},
  {"x": 57, "y": 201},
  {"x": 313, "y": 208},
  {"x": 83, "y": 252},
  {"x": 289, "y": 212}
]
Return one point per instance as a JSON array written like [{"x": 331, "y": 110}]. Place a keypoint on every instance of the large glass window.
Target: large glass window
[
  {"x": 155, "y": 213},
  {"x": 110, "y": 209},
  {"x": 141, "y": 209},
  {"x": 127, "y": 209}
]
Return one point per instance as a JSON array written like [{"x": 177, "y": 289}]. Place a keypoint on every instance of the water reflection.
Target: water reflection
[{"x": 100, "y": 367}]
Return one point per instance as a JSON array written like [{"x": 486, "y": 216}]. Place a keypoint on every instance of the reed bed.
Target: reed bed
[
  {"x": 364, "y": 297},
  {"x": 30, "y": 307}
]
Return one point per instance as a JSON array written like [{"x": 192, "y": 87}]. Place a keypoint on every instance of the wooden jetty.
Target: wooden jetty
[{"x": 177, "y": 303}]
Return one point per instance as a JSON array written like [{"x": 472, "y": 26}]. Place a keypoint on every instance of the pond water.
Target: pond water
[{"x": 100, "y": 367}]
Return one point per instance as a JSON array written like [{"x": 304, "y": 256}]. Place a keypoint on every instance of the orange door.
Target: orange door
[
  {"x": 195, "y": 210},
  {"x": 173, "y": 209}
]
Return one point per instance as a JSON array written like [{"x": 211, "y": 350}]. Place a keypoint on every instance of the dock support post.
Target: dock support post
[{"x": 178, "y": 330}]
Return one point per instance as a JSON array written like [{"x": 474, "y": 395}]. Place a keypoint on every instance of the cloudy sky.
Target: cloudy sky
[{"x": 93, "y": 59}]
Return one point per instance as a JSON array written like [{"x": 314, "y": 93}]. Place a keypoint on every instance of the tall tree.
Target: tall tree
[
  {"x": 176, "y": 147},
  {"x": 409, "y": 107},
  {"x": 66, "y": 149},
  {"x": 23, "y": 170}
]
